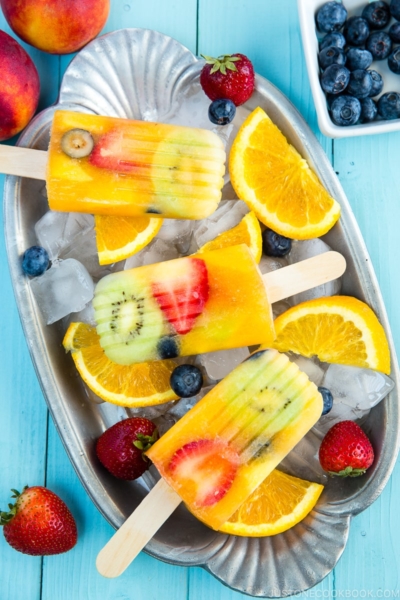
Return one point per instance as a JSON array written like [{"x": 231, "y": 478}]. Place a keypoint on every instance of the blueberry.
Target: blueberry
[
  {"x": 356, "y": 31},
  {"x": 327, "y": 399},
  {"x": 369, "y": 110},
  {"x": 394, "y": 32},
  {"x": 275, "y": 244},
  {"x": 394, "y": 61},
  {"x": 335, "y": 79},
  {"x": 345, "y": 110},
  {"x": 35, "y": 261},
  {"x": 360, "y": 84},
  {"x": 222, "y": 111},
  {"x": 333, "y": 39},
  {"x": 377, "y": 83},
  {"x": 377, "y": 14},
  {"x": 255, "y": 355},
  {"x": 167, "y": 347},
  {"x": 331, "y": 16},
  {"x": 389, "y": 106},
  {"x": 186, "y": 381},
  {"x": 395, "y": 9},
  {"x": 331, "y": 56},
  {"x": 379, "y": 44},
  {"x": 358, "y": 59}
]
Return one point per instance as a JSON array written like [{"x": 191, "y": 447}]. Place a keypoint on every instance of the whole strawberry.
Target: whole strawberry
[
  {"x": 230, "y": 76},
  {"x": 346, "y": 451},
  {"x": 121, "y": 447},
  {"x": 39, "y": 523}
]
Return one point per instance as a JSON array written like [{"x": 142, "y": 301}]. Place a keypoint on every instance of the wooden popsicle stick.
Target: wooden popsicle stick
[
  {"x": 137, "y": 530},
  {"x": 24, "y": 162},
  {"x": 303, "y": 275}
]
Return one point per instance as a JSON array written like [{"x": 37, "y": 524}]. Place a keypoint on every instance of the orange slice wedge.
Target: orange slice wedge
[
  {"x": 279, "y": 503},
  {"x": 277, "y": 183},
  {"x": 139, "y": 385},
  {"x": 248, "y": 232},
  {"x": 338, "y": 329},
  {"x": 120, "y": 237}
]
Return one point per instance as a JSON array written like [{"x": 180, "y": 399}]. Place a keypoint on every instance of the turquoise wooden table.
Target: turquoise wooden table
[{"x": 268, "y": 32}]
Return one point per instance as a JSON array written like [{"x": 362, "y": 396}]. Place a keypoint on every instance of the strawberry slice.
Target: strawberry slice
[
  {"x": 181, "y": 290},
  {"x": 109, "y": 153},
  {"x": 207, "y": 468}
]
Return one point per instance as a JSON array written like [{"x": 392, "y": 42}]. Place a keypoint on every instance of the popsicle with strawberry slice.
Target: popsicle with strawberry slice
[
  {"x": 108, "y": 166},
  {"x": 202, "y": 303},
  {"x": 221, "y": 450}
]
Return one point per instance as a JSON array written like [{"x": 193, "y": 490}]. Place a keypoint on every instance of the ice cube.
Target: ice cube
[
  {"x": 218, "y": 364},
  {"x": 66, "y": 287},
  {"x": 301, "y": 250},
  {"x": 303, "y": 460},
  {"x": 228, "y": 214},
  {"x": 157, "y": 251},
  {"x": 339, "y": 412},
  {"x": 71, "y": 235},
  {"x": 312, "y": 367},
  {"x": 178, "y": 232},
  {"x": 56, "y": 231},
  {"x": 359, "y": 388},
  {"x": 86, "y": 315},
  {"x": 268, "y": 264}
]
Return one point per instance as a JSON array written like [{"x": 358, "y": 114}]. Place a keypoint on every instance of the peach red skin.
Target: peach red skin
[
  {"x": 20, "y": 87},
  {"x": 56, "y": 26},
  {"x": 43, "y": 524}
]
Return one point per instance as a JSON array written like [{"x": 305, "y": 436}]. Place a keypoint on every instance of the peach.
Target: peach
[
  {"x": 20, "y": 87},
  {"x": 56, "y": 26}
]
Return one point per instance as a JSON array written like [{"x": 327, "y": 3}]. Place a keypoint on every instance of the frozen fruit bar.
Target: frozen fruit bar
[
  {"x": 224, "y": 447},
  {"x": 213, "y": 301},
  {"x": 109, "y": 166}
]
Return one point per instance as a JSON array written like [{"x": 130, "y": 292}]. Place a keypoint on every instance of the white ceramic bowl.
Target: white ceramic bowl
[{"x": 307, "y": 10}]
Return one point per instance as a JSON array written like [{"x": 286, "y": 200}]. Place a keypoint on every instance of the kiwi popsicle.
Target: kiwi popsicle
[
  {"x": 221, "y": 450},
  {"x": 228, "y": 443},
  {"x": 215, "y": 300},
  {"x": 104, "y": 165}
]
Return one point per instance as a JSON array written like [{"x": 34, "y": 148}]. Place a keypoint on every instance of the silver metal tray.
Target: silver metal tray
[{"x": 138, "y": 73}]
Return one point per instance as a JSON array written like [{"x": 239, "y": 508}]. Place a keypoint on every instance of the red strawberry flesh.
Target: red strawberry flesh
[
  {"x": 43, "y": 524},
  {"x": 346, "y": 450},
  {"x": 182, "y": 293},
  {"x": 208, "y": 467},
  {"x": 109, "y": 153}
]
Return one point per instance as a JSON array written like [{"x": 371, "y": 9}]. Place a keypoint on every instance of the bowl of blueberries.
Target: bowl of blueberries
[{"x": 352, "y": 51}]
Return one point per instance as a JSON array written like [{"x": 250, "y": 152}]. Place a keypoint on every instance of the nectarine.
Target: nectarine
[
  {"x": 20, "y": 87},
  {"x": 56, "y": 26}
]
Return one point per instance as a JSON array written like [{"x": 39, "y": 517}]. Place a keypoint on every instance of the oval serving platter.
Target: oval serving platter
[{"x": 142, "y": 74}]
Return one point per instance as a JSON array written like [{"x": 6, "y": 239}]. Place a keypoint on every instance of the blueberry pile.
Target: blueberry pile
[{"x": 345, "y": 54}]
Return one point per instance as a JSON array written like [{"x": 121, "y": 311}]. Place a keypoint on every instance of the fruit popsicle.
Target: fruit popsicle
[
  {"x": 212, "y": 301},
  {"x": 221, "y": 450},
  {"x": 104, "y": 165}
]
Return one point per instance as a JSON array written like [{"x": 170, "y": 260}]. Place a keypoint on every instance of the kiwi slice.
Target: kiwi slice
[
  {"x": 129, "y": 321},
  {"x": 77, "y": 143}
]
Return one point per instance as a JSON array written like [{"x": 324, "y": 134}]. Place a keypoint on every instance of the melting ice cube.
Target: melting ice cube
[
  {"x": 66, "y": 287},
  {"x": 301, "y": 250},
  {"x": 218, "y": 364}
]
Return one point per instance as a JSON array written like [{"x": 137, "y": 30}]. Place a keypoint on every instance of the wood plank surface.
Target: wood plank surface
[{"x": 268, "y": 32}]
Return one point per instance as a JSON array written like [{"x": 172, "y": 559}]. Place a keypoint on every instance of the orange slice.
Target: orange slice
[
  {"x": 120, "y": 237},
  {"x": 338, "y": 329},
  {"x": 280, "y": 502},
  {"x": 248, "y": 232},
  {"x": 137, "y": 385},
  {"x": 277, "y": 183}
]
